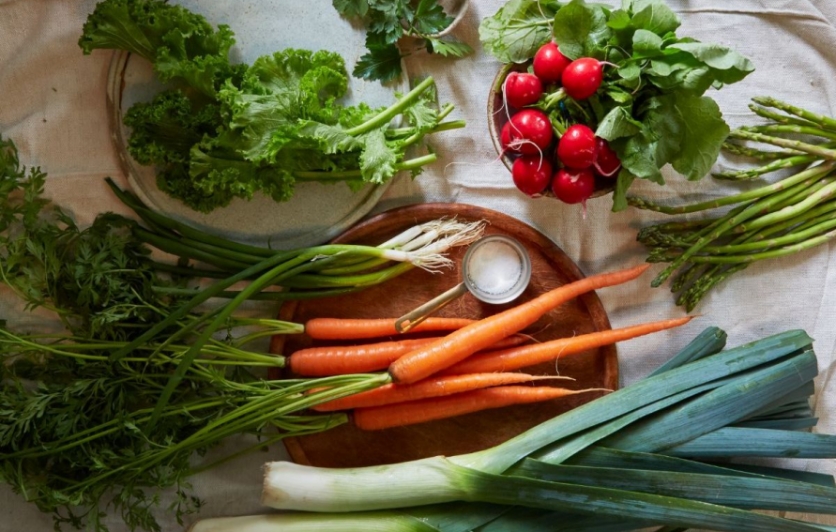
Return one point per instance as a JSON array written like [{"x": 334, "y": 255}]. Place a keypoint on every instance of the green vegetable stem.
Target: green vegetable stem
[
  {"x": 792, "y": 214},
  {"x": 224, "y": 131}
]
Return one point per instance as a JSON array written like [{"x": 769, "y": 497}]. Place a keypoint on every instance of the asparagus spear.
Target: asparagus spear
[{"x": 787, "y": 216}]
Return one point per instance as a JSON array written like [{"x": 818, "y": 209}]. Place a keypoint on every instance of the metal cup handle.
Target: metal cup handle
[{"x": 413, "y": 318}]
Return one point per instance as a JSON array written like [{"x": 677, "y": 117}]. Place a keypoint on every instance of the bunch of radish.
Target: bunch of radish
[{"x": 570, "y": 170}]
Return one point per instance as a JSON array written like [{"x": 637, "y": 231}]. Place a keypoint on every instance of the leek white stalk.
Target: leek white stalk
[
  {"x": 415, "y": 483},
  {"x": 302, "y": 522}
]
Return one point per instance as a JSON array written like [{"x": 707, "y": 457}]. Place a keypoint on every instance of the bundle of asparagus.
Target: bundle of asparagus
[{"x": 789, "y": 215}]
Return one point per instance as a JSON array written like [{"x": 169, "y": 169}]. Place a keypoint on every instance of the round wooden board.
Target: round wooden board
[{"x": 346, "y": 446}]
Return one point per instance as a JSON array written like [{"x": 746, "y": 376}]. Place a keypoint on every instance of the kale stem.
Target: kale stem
[
  {"x": 344, "y": 175},
  {"x": 383, "y": 118}
]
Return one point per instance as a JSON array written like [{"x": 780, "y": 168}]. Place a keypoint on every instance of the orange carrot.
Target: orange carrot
[
  {"x": 342, "y": 360},
  {"x": 460, "y": 344},
  {"x": 410, "y": 413},
  {"x": 351, "y": 329},
  {"x": 529, "y": 355},
  {"x": 432, "y": 387}
]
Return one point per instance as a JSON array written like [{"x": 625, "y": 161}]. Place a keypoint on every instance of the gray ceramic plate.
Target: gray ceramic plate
[{"x": 316, "y": 212}]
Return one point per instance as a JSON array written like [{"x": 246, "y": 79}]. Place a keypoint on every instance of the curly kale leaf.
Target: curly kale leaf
[
  {"x": 165, "y": 129},
  {"x": 232, "y": 131},
  {"x": 175, "y": 180},
  {"x": 277, "y": 91},
  {"x": 182, "y": 45}
]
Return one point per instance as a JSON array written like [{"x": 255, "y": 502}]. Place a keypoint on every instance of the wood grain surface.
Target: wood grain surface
[{"x": 347, "y": 446}]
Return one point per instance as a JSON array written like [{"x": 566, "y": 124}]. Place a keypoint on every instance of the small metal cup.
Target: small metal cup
[{"x": 413, "y": 318}]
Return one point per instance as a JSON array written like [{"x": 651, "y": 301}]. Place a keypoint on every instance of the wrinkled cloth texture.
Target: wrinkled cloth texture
[{"x": 53, "y": 105}]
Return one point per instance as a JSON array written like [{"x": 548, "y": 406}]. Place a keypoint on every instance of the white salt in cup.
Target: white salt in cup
[{"x": 496, "y": 269}]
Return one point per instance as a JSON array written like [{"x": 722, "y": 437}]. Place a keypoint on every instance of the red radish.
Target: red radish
[
  {"x": 576, "y": 148},
  {"x": 522, "y": 88},
  {"x": 549, "y": 63},
  {"x": 573, "y": 186},
  {"x": 582, "y": 77},
  {"x": 529, "y": 132},
  {"x": 607, "y": 163},
  {"x": 532, "y": 174}
]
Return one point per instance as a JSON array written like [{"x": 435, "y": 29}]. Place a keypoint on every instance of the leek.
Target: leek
[
  {"x": 372, "y": 522},
  {"x": 705, "y": 393},
  {"x": 616, "y": 463}
]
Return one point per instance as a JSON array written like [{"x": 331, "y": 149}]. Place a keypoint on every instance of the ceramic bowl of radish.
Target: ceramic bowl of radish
[{"x": 542, "y": 125}]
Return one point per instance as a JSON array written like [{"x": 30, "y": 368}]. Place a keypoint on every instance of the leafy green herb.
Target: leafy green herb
[
  {"x": 74, "y": 432},
  {"x": 651, "y": 106},
  {"x": 100, "y": 280},
  {"x": 388, "y": 22},
  {"x": 182, "y": 46},
  {"x": 232, "y": 131},
  {"x": 110, "y": 413}
]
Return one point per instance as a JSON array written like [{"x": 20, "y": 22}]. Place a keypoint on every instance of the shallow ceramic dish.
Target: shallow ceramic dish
[
  {"x": 498, "y": 117},
  {"x": 316, "y": 212},
  {"x": 347, "y": 446}
]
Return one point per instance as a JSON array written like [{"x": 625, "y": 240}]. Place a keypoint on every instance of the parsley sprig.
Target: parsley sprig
[
  {"x": 100, "y": 280},
  {"x": 387, "y": 22}
]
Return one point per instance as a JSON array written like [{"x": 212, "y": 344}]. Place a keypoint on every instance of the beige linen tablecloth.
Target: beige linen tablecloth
[{"x": 52, "y": 103}]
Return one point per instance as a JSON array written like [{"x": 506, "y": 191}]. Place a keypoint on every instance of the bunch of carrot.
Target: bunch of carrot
[{"x": 472, "y": 368}]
